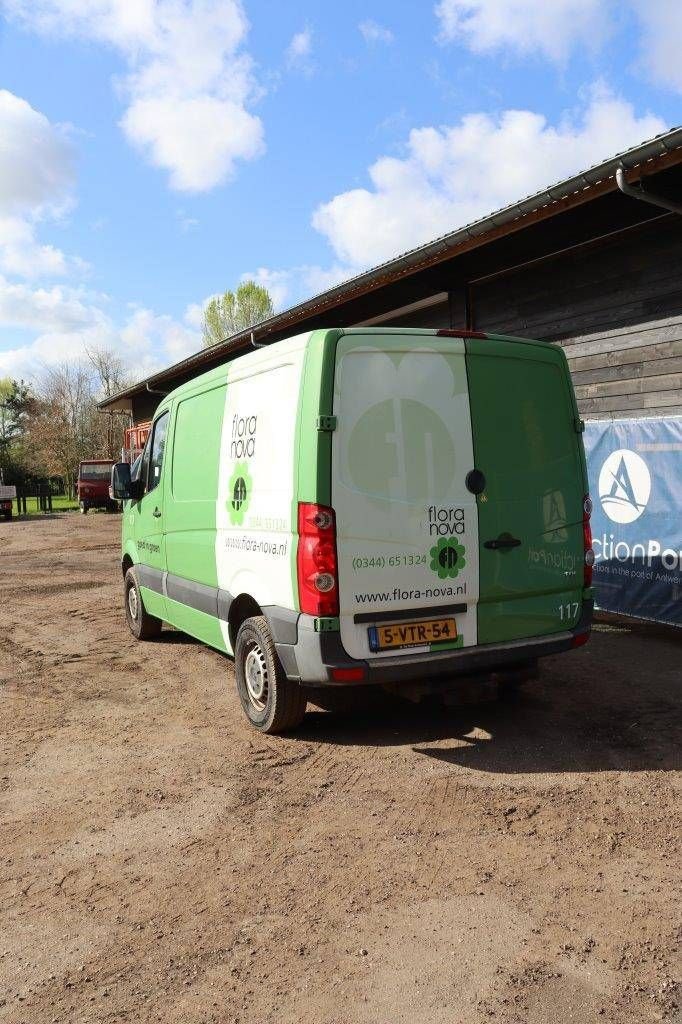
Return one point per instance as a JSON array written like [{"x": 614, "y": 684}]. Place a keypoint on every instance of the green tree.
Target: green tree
[
  {"x": 232, "y": 312},
  {"x": 16, "y": 403}
]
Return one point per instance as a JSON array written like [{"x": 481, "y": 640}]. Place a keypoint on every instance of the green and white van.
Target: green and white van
[{"x": 364, "y": 506}]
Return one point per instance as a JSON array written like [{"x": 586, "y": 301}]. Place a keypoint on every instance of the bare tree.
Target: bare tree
[
  {"x": 111, "y": 376},
  {"x": 63, "y": 430}
]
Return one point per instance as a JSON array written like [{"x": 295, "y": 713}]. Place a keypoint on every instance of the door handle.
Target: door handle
[
  {"x": 502, "y": 543},
  {"x": 157, "y": 513}
]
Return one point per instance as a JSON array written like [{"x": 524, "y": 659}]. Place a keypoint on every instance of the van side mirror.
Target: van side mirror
[{"x": 122, "y": 487}]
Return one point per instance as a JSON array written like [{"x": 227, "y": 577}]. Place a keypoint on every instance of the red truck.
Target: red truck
[{"x": 94, "y": 477}]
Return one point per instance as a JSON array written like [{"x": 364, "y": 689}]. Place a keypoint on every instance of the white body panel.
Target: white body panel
[
  {"x": 401, "y": 453},
  {"x": 254, "y": 529}
]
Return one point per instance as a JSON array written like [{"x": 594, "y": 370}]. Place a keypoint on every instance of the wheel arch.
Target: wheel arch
[{"x": 242, "y": 608}]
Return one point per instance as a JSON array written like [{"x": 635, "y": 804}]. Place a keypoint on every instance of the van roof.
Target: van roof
[{"x": 280, "y": 348}]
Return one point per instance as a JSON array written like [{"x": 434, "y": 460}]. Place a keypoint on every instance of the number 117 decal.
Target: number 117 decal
[{"x": 569, "y": 611}]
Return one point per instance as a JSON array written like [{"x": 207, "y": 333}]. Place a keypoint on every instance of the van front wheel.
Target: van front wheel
[
  {"x": 142, "y": 625},
  {"x": 272, "y": 703}
]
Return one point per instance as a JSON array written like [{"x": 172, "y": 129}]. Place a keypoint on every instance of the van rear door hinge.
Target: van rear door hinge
[
  {"x": 579, "y": 426},
  {"x": 327, "y": 423}
]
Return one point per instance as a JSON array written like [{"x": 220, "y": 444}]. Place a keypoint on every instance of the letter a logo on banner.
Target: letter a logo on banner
[{"x": 624, "y": 486}]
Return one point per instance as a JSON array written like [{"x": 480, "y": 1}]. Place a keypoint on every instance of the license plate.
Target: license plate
[{"x": 412, "y": 634}]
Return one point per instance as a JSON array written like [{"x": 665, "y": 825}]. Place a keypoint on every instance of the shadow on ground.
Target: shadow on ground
[{"x": 613, "y": 706}]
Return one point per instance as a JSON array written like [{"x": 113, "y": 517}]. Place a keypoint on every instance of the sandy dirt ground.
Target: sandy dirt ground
[{"x": 161, "y": 861}]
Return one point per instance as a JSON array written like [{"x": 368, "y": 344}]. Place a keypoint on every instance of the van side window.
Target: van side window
[
  {"x": 143, "y": 463},
  {"x": 135, "y": 468},
  {"x": 158, "y": 447}
]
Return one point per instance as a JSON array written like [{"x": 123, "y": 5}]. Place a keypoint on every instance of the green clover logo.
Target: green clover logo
[
  {"x": 239, "y": 493},
  {"x": 447, "y": 558}
]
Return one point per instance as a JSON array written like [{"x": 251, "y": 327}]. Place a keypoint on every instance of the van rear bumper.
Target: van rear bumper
[{"x": 313, "y": 656}]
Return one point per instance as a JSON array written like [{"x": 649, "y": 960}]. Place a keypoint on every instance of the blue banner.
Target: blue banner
[{"x": 635, "y": 472}]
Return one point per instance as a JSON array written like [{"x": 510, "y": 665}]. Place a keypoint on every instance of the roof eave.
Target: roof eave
[{"x": 662, "y": 151}]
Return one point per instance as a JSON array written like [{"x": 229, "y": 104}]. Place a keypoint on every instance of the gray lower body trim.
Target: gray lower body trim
[
  {"x": 149, "y": 577},
  {"x": 283, "y": 622},
  {"x": 224, "y": 601},
  {"x": 195, "y": 595},
  {"x": 313, "y": 657}
]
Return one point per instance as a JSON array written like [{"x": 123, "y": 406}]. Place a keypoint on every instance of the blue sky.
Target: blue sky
[{"x": 153, "y": 153}]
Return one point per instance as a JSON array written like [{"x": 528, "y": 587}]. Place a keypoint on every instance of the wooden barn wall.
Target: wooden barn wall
[
  {"x": 432, "y": 316},
  {"x": 617, "y": 312}
]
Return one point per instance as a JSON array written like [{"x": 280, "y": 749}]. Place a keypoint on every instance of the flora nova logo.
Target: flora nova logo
[{"x": 624, "y": 486}]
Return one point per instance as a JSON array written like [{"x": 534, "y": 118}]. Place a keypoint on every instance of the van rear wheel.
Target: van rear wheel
[
  {"x": 271, "y": 702},
  {"x": 142, "y": 625}
]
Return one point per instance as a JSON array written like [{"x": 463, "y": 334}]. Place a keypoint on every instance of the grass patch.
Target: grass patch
[{"x": 60, "y": 503}]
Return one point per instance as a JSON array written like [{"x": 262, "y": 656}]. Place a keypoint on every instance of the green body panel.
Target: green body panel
[
  {"x": 197, "y": 624},
  {"x": 147, "y": 532},
  {"x": 190, "y": 500},
  {"x": 526, "y": 444},
  {"x": 314, "y": 447},
  {"x": 154, "y": 603}
]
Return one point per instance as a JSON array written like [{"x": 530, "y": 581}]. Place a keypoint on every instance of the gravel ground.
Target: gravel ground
[{"x": 161, "y": 861}]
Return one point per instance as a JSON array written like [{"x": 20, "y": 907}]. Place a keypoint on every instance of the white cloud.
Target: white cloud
[
  {"x": 525, "y": 26},
  {"x": 66, "y": 321},
  {"x": 300, "y": 50},
  {"x": 452, "y": 175},
  {"x": 23, "y": 256},
  {"x": 292, "y": 285},
  {"x": 372, "y": 32},
  {"x": 661, "y": 23},
  {"x": 36, "y": 179},
  {"x": 36, "y": 159},
  {"x": 60, "y": 320},
  {"x": 189, "y": 82},
  {"x": 58, "y": 308},
  {"x": 555, "y": 29},
  {"x": 146, "y": 331}
]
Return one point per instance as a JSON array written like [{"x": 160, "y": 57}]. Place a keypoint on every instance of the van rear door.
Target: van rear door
[
  {"x": 527, "y": 445},
  {"x": 407, "y": 536}
]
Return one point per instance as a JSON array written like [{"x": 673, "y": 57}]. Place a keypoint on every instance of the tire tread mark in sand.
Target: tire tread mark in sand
[
  {"x": 419, "y": 808},
  {"x": 49, "y": 590},
  {"x": 34, "y": 659}
]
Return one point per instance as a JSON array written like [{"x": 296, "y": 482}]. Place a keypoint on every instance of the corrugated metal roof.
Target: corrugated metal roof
[{"x": 445, "y": 245}]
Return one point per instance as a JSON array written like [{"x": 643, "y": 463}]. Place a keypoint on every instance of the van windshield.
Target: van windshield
[{"x": 95, "y": 471}]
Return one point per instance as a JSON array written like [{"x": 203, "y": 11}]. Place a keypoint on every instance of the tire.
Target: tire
[
  {"x": 271, "y": 702},
  {"x": 83, "y": 508},
  {"x": 8, "y": 516},
  {"x": 142, "y": 625}
]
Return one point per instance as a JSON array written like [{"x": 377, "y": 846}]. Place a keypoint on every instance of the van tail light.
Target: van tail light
[
  {"x": 316, "y": 562},
  {"x": 587, "y": 542}
]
